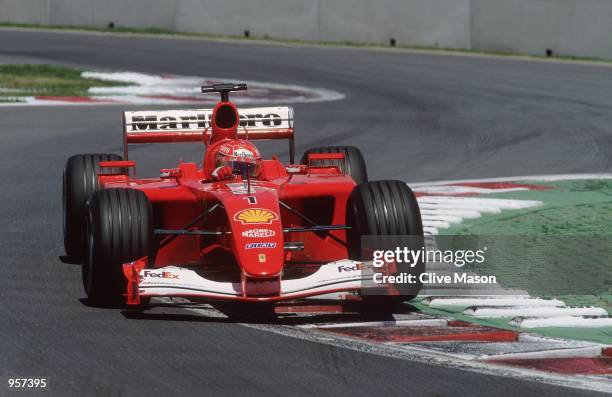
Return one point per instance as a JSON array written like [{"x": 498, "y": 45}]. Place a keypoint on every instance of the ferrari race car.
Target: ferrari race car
[{"x": 234, "y": 227}]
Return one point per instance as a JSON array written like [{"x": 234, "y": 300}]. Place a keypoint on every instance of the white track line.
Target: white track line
[
  {"x": 526, "y": 311},
  {"x": 491, "y": 301},
  {"x": 562, "y": 321},
  {"x": 441, "y": 218},
  {"x": 475, "y": 203},
  {"x": 589, "y": 352},
  {"x": 543, "y": 178},
  {"x": 465, "y": 214},
  {"x": 430, "y": 230},
  {"x": 434, "y": 322},
  {"x": 457, "y": 190},
  {"x": 423, "y": 204}
]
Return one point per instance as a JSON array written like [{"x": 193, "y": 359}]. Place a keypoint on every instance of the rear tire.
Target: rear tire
[
  {"x": 119, "y": 230},
  {"x": 386, "y": 208},
  {"x": 354, "y": 164},
  {"x": 79, "y": 183}
]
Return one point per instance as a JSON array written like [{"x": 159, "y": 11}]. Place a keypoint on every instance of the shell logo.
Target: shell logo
[{"x": 256, "y": 216}]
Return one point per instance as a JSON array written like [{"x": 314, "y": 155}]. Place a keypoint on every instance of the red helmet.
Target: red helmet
[{"x": 242, "y": 156}]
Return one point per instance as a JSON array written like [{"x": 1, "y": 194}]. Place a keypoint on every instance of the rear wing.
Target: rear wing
[{"x": 194, "y": 125}]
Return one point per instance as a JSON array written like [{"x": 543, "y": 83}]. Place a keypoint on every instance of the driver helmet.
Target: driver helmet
[{"x": 242, "y": 156}]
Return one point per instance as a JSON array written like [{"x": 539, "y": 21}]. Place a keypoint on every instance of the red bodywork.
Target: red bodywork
[{"x": 250, "y": 222}]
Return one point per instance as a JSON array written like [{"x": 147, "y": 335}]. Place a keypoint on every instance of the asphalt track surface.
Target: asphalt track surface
[{"x": 415, "y": 116}]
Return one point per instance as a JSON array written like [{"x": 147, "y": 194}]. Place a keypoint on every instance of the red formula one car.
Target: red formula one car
[{"x": 234, "y": 227}]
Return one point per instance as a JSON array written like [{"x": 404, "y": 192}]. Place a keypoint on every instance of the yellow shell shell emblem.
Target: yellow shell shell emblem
[{"x": 256, "y": 216}]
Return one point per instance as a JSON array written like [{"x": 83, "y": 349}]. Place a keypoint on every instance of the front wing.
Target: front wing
[{"x": 173, "y": 281}]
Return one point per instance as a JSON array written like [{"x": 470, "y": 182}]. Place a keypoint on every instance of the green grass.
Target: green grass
[
  {"x": 275, "y": 40},
  {"x": 44, "y": 80},
  {"x": 562, "y": 249},
  {"x": 597, "y": 335},
  {"x": 574, "y": 207},
  {"x": 592, "y": 219}
]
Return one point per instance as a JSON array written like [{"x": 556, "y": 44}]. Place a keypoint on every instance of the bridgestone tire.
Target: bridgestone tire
[
  {"x": 79, "y": 182},
  {"x": 354, "y": 164},
  {"x": 386, "y": 208},
  {"x": 119, "y": 230}
]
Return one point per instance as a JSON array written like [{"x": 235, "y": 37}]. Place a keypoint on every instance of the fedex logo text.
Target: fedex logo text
[
  {"x": 354, "y": 268},
  {"x": 151, "y": 274}
]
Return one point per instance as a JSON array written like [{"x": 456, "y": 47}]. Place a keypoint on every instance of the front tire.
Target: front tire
[
  {"x": 386, "y": 208},
  {"x": 80, "y": 181},
  {"x": 119, "y": 230}
]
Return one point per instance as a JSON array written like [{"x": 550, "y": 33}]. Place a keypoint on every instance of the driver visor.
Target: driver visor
[{"x": 243, "y": 168}]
